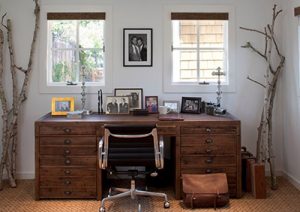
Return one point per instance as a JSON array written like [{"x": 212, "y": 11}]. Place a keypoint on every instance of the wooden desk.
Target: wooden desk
[{"x": 66, "y": 159}]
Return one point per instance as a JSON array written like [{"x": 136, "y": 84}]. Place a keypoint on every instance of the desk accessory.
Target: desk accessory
[
  {"x": 139, "y": 112},
  {"x": 75, "y": 114},
  {"x": 100, "y": 102}
]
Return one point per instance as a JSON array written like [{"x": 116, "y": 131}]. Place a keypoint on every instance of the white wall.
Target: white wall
[
  {"x": 245, "y": 103},
  {"x": 291, "y": 94}
]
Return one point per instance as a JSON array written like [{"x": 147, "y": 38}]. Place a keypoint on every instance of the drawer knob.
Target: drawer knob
[
  {"x": 208, "y": 171},
  {"x": 67, "y": 182},
  {"x": 67, "y": 161},
  {"x": 210, "y": 160},
  {"x": 208, "y": 141},
  {"x": 67, "y": 130},
  {"x": 67, "y": 192},
  {"x": 208, "y": 129},
  {"x": 67, "y": 172},
  {"x": 208, "y": 151},
  {"x": 67, "y": 151},
  {"x": 67, "y": 141}
]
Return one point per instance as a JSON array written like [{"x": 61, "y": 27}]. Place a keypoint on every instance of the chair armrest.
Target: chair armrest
[
  {"x": 161, "y": 150},
  {"x": 101, "y": 154}
]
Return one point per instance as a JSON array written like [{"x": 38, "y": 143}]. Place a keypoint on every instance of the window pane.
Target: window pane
[
  {"x": 209, "y": 62},
  {"x": 62, "y": 33},
  {"x": 184, "y": 65},
  {"x": 211, "y": 34},
  {"x": 184, "y": 33},
  {"x": 91, "y": 34},
  {"x": 93, "y": 61},
  {"x": 64, "y": 67}
]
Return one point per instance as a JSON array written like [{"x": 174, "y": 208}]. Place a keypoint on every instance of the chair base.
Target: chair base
[{"x": 133, "y": 193}]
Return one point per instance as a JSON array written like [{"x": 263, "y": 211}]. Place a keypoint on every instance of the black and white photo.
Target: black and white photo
[
  {"x": 137, "y": 47},
  {"x": 117, "y": 105},
  {"x": 135, "y": 96},
  {"x": 191, "y": 105}
]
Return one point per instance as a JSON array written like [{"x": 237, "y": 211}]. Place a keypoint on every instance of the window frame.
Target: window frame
[
  {"x": 92, "y": 87},
  {"x": 184, "y": 87}
]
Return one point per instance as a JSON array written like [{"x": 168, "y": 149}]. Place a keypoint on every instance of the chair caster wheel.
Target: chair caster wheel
[
  {"x": 102, "y": 209},
  {"x": 166, "y": 204}
]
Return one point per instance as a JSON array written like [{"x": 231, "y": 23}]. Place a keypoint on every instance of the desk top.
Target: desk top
[{"x": 150, "y": 118}]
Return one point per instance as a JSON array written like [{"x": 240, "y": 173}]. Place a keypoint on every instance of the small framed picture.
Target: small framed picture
[
  {"x": 117, "y": 105},
  {"x": 62, "y": 105},
  {"x": 173, "y": 106},
  {"x": 135, "y": 96},
  {"x": 151, "y": 104},
  {"x": 191, "y": 105},
  {"x": 137, "y": 47}
]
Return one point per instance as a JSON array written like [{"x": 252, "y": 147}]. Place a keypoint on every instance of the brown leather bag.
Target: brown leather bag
[{"x": 205, "y": 190}]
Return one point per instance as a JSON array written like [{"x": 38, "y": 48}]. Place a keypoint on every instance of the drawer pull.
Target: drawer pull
[
  {"x": 67, "y": 182},
  {"x": 67, "y": 172},
  {"x": 67, "y": 130},
  {"x": 209, "y": 160},
  {"x": 67, "y": 141},
  {"x": 208, "y": 151},
  {"x": 67, "y": 161},
  {"x": 208, "y": 129},
  {"x": 67, "y": 151},
  {"x": 67, "y": 192},
  {"x": 208, "y": 171},
  {"x": 209, "y": 141}
]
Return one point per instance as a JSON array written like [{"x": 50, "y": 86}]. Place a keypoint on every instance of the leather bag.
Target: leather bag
[{"x": 205, "y": 190}]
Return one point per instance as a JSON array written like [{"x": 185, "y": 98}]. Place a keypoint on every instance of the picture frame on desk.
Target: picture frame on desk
[
  {"x": 135, "y": 96},
  {"x": 191, "y": 105},
  {"x": 62, "y": 105},
  {"x": 117, "y": 105},
  {"x": 151, "y": 104},
  {"x": 173, "y": 106}
]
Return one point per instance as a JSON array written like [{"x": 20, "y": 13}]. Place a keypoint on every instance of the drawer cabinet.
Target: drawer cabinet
[
  {"x": 212, "y": 148},
  {"x": 66, "y": 160}
]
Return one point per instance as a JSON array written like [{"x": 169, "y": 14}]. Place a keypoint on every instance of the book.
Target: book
[{"x": 78, "y": 114}]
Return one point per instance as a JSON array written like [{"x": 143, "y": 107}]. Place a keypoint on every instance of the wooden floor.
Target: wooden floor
[{"x": 285, "y": 199}]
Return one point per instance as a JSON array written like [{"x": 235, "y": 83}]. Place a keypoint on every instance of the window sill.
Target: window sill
[
  {"x": 73, "y": 89},
  {"x": 185, "y": 88}
]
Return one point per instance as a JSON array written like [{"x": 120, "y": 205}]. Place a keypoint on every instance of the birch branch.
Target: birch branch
[
  {"x": 249, "y": 45},
  {"x": 255, "y": 30},
  {"x": 252, "y": 80}
]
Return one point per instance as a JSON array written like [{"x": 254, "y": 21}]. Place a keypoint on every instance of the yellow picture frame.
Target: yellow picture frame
[{"x": 62, "y": 105}]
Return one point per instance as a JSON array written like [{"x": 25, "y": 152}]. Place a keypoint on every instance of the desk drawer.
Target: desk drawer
[
  {"x": 68, "y": 161},
  {"x": 67, "y": 130},
  {"x": 68, "y": 150},
  {"x": 166, "y": 130},
  {"x": 68, "y": 192},
  {"x": 209, "y": 130},
  {"x": 207, "y": 161},
  {"x": 217, "y": 144},
  {"x": 67, "y": 171},
  {"x": 68, "y": 140},
  {"x": 74, "y": 182}
]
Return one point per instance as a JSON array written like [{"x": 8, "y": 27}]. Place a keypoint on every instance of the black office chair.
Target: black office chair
[{"x": 128, "y": 145}]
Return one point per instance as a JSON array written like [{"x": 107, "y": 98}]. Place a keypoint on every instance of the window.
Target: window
[
  {"x": 75, "y": 45},
  {"x": 73, "y": 39},
  {"x": 200, "y": 43}
]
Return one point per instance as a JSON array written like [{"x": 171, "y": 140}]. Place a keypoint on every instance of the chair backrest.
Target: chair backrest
[{"x": 131, "y": 145}]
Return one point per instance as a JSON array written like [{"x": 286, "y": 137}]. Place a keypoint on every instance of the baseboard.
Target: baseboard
[
  {"x": 292, "y": 180},
  {"x": 23, "y": 176}
]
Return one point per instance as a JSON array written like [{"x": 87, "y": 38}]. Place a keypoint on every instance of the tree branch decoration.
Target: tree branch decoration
[
  {"x": 11, "y": 112},
  {"x": 264, "y": 151}
]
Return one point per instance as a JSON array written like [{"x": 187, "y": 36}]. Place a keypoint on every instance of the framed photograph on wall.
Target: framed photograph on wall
[
  {"x": 137, "y": 47},
  {"x": 62, "y": 105},
  {"x": 173, "y": 106},
  {"x": 117, "y": 105},
  {"x": 191, "y": 105},
  {"x": 135, "y": 96},
  {"x": 151, "y": 104}
]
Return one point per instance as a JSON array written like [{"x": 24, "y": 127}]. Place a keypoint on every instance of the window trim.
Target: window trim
[
  {"x": 76, "y": 89},
  {"x": 174, "y": 87}
]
